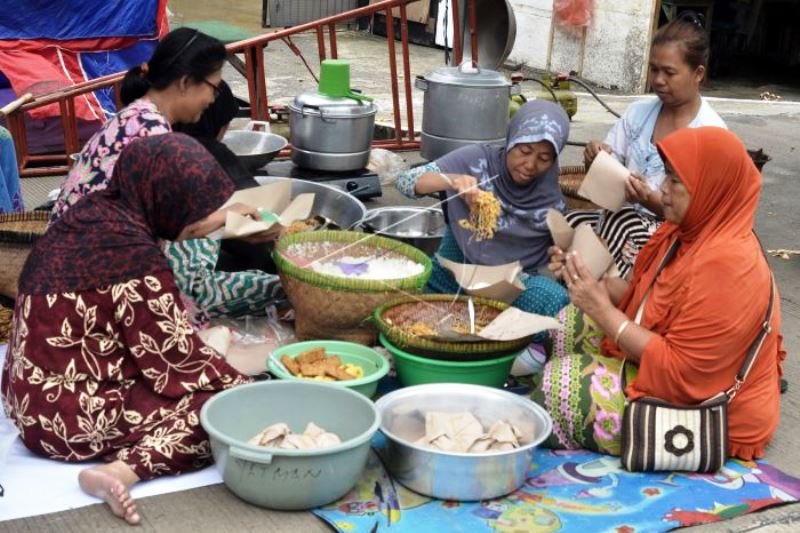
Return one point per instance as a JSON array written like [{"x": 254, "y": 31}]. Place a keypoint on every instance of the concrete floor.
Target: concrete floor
[{"x": 772, "y": 126}]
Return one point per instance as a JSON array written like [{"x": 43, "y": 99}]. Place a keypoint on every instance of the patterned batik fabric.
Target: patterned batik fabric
[
  {"x": 10, "y": 186},
  {"x": 582, "y": 389},
  {"x": 95, "y": 164},
  {"x": 218, "y": 293},
  {"x": 115, "y": 373}
]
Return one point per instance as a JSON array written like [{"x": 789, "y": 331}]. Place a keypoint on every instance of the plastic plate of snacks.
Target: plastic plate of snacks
[{"x": 338, "y": 363}]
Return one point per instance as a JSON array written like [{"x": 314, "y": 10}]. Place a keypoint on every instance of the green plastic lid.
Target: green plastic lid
[{"x": 334, "y": 80}]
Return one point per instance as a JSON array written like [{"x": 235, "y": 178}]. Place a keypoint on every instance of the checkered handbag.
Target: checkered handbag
[{"x": 660, "y": 436}]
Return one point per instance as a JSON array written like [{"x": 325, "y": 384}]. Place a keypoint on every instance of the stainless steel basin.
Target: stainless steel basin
[
  {"x": 458, "y": 476},
  {"x": 330, "y": 202},
  {"x": 421, "y": 227},
  {"x": 254, "y": 148}
]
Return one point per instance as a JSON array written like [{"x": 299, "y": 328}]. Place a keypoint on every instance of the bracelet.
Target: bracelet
[{"x": 620, "y": 330}]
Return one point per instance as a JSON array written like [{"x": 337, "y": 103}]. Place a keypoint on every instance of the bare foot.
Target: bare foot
[{"x": 111, "y": 482}]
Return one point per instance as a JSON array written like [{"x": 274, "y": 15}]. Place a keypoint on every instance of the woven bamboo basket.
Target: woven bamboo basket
[
  {"x": 570, "y": 179},
  {"x": 394, "y": 318},
  {"x": 333, "y": 307},
  {"x": 6, "y": 318},
  {"x": 18, "y": 233}
]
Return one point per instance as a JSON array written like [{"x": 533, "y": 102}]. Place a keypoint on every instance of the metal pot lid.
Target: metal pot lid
[
  {"x": 314, "y": 103},
  {"x": 467, "y": 75}
]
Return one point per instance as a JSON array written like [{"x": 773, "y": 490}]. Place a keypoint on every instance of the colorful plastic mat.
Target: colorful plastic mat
[{"x": 567, "y": 491}]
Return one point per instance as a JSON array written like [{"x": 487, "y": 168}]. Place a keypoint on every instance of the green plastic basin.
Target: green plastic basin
[
  {"x": 416, "y": 370},
  {"x": 289, "y": 479},
  {"x": 374, "y": 364}
]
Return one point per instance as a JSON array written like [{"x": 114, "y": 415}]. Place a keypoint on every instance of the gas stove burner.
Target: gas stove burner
[{"x": 362, "y": 183}]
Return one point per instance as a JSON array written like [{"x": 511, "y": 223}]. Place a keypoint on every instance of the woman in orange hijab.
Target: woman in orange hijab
[{"x": 702, "y": 311}]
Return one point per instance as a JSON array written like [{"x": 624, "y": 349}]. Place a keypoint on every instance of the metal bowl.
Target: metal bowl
[
  {"x": 421, "y": 227},
  {"x": 338, "y": 208},
  {"x": 254, "y": 148},
  {"x": 458, "y": 476},
  {"x": 496, "y": 31}
]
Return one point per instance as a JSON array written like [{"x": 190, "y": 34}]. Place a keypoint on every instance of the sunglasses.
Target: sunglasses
[{"x": 215, "y": 88}]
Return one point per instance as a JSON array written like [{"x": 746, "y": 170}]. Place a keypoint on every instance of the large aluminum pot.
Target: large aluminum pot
[
  {"x": 421, "y": 227},
  {"x": 331, "y": 203},
  {"x": 458, "y": 476},
  {"x": 463, "y": 105},
  {"x": 331, "y": 133}
]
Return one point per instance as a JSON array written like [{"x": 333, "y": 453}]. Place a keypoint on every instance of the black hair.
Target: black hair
[
  {"x": 215, "y": 117},
  {"x": 183, "y": 52},
  {"x": 688, "y": 31}
]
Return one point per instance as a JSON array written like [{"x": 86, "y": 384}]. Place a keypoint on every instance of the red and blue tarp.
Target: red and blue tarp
[{"x": 46, "y": 46}]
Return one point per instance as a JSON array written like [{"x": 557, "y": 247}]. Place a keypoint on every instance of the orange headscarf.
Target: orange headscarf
[{"x": 708, "y": 304}]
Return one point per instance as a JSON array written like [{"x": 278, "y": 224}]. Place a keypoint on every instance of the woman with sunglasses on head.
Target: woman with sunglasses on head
[{"x": 178, "y": 83}]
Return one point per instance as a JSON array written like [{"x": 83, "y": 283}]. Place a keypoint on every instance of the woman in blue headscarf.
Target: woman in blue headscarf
[{"x": 523, "y": 176}]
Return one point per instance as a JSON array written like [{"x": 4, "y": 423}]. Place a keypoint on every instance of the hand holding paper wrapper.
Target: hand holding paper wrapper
[
  {"x": 605, "y": 181},
  {"x": 498, "y": 282},
  {"x": 583, "y": 240},
  {"x": 273, "y": 198}
]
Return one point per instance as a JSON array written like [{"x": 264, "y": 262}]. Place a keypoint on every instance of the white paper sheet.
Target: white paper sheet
[
  {"x": 584, "y": 240},
  {"x": 498, "y": 282},
  {"x": 604, "y": 183},
  {"x": 514, "y": 324},
  {"x": 34, "y": 486},
  {"x": 274, "y": 198}
]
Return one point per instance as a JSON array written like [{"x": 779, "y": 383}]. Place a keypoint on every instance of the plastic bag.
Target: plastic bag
[
  {"x": 387, "y": 165},
  {"x": 266, "y": 330},
  {"x": 574, "y": 13}
]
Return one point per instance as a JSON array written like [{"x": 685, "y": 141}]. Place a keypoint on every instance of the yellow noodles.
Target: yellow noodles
[
  {"x": 419, "y": 329},
  {"x": 299, "y": 226},
  {"x": 483, "y": 215}
]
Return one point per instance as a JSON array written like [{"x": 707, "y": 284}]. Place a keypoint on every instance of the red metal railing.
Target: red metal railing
[{"x": 256, "y": 73}]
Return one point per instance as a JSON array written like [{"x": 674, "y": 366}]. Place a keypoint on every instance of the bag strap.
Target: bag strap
[
  {"x": 755, "y": 347},
  {"x": 671, "y": 251},
  {"x": 766, "y": 328}
]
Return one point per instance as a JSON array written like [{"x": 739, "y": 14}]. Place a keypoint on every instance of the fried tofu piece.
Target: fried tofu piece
[
  {"x": 291, "y": 365},
  {"x": 333, "y": 361},
  {"x": 338, "y": 374},
  {"x": 311, "y": 356},
  {"x": 317, "y": 364},
  {"x": 333, "y": 368},
  {"x": 310, "y": 370}
]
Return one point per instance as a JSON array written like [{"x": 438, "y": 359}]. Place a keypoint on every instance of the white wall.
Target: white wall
[{"x": 614, "y": 50}]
